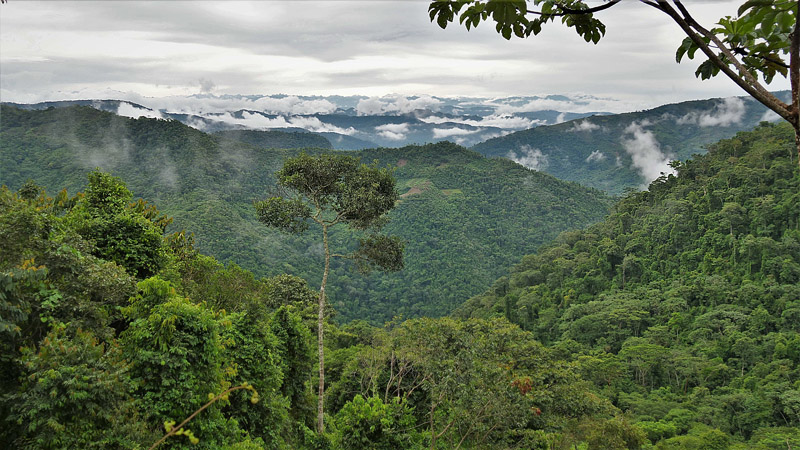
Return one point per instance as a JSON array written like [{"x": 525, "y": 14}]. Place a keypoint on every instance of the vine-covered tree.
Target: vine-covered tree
[
  {"x": 330, "y": 190},
  {"x": 756, "y": 42}
]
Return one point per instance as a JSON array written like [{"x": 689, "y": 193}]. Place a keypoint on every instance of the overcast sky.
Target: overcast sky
[{"x": 124, "y": 49}]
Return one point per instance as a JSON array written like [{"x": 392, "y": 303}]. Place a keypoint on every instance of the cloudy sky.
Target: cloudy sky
[{"x": 127, "y": 49}]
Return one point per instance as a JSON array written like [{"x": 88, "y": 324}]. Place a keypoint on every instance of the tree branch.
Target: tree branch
[
  {"x": 744, "y": 79},
  {"x": 194, "y": 414},
  {"x": 589, "y": 10},
  {"x": 569, "y": 11},
  {"x": 742, "y": 51}
]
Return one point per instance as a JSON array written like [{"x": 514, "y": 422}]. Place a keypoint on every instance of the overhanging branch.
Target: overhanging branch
[
  {"x": 569, "y": 11},
  {"x": 744, "y": 79}
]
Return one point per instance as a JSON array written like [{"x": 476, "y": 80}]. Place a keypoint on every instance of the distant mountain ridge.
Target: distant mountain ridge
[
  {"x": 611, "y": 152},
  {"x": 353, "y": 122},
  {"x": 615, "y": 152}
]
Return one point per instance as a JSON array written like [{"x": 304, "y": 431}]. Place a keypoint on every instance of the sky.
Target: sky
[{"x": 133, "y": 49}]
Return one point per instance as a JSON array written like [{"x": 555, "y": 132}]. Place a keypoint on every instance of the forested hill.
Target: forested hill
[
  {"x": 684, "y": 304},
  {"x": 276, "y": 138},
  {"x": 465, "y": 218},
  {"x": 614, "y": 152}
]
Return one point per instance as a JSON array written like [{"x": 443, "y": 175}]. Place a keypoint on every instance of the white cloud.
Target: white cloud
[
  {"x": 260, "y": 122},
  {"x": 392, "y": 131},
  {"x": 370, "y": 107},
  {"x": 645, "y": 152},
  {"x": 507, "y": 121},
  {"x": 584, "y": 125},
  {"x": 731, "y": 110},
  {"x": 439, "y": 133},
  {"x": 596, "y": 155},
  {"x": 769, "y": 116},
  {"x": 576, "y": 103},
  {"x": 532, "y": 158},
  {"x": 391, "y": 135},
  {"x": 202, "y": 104},
  {"x": 128, "y": 110},
  {"x": 487, "y": 136},
  {"x": 394, "y": 127},
  {"x": 316, "y": 125},
  {"x": 405, "y": 105},
  {"x": 561, "y": 117},
  {"x": 395, "y": 104}
]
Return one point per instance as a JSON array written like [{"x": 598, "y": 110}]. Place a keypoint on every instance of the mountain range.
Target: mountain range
[{"x": 610, "y": 152}]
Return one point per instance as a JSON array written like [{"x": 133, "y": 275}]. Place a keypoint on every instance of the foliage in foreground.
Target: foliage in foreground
[
  {"x": 683, "y": 305},
  {"x": 140, "y": 353}
]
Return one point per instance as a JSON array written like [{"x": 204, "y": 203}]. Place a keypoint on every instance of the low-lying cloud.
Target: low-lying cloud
[
  {"x": 203, "y": 104},
  {"x": 128, "y": 110},
  {"x": 769, "y": 116},
  {"x": 261, "y": 122},
  {"x": 645, "y": 151},
  {"x": 576, "y": 103},
  {"x": 596, "y": 155},
  {"x": 393, "y": 131},
  {"x": 395, "y": 105},
  {"x": 584, "y": 125},
  {"x": 730, "y": 111},
  {"x": 532, "y": 158},
  {"x": 439, "y": 133},
  {"x": 506, "y": 121}
]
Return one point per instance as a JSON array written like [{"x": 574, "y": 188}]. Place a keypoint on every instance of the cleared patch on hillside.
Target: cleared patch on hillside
[{"x": 416, "y": 186}]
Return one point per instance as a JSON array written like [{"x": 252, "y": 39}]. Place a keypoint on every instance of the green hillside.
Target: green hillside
[
  {"x": 464, "y": 217},
  {"x": 683, "y": 306},
  {"x": 276, "y": 138},
  {"x": 615, "y": 152}
]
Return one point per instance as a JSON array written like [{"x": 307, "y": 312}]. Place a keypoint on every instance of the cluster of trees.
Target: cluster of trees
[
  {"x": 111, "y": 333},
  {"x": 682, "y": 306},
  {"x": 277, "y": 139}
]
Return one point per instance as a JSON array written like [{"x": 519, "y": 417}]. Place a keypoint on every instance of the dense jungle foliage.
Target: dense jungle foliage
[
  {"x": 110, "y": 342},
  {"x": 683, "y": 306},
  {"x": 464, "y": 218},
  {"x": 277, "y": 139}
]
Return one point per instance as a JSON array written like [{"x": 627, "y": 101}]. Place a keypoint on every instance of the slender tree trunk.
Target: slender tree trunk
[
  {"x": 320, "y": 331},
  {"x": 433, "y": 432}
]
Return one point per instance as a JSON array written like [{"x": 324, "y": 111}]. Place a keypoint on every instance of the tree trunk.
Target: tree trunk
[{"x": 320, "y": 331}]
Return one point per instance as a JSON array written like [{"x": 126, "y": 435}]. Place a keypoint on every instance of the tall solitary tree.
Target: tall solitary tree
[
  {"x": 328, "y": 190},
  {"x": 756, "y": 42}
]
